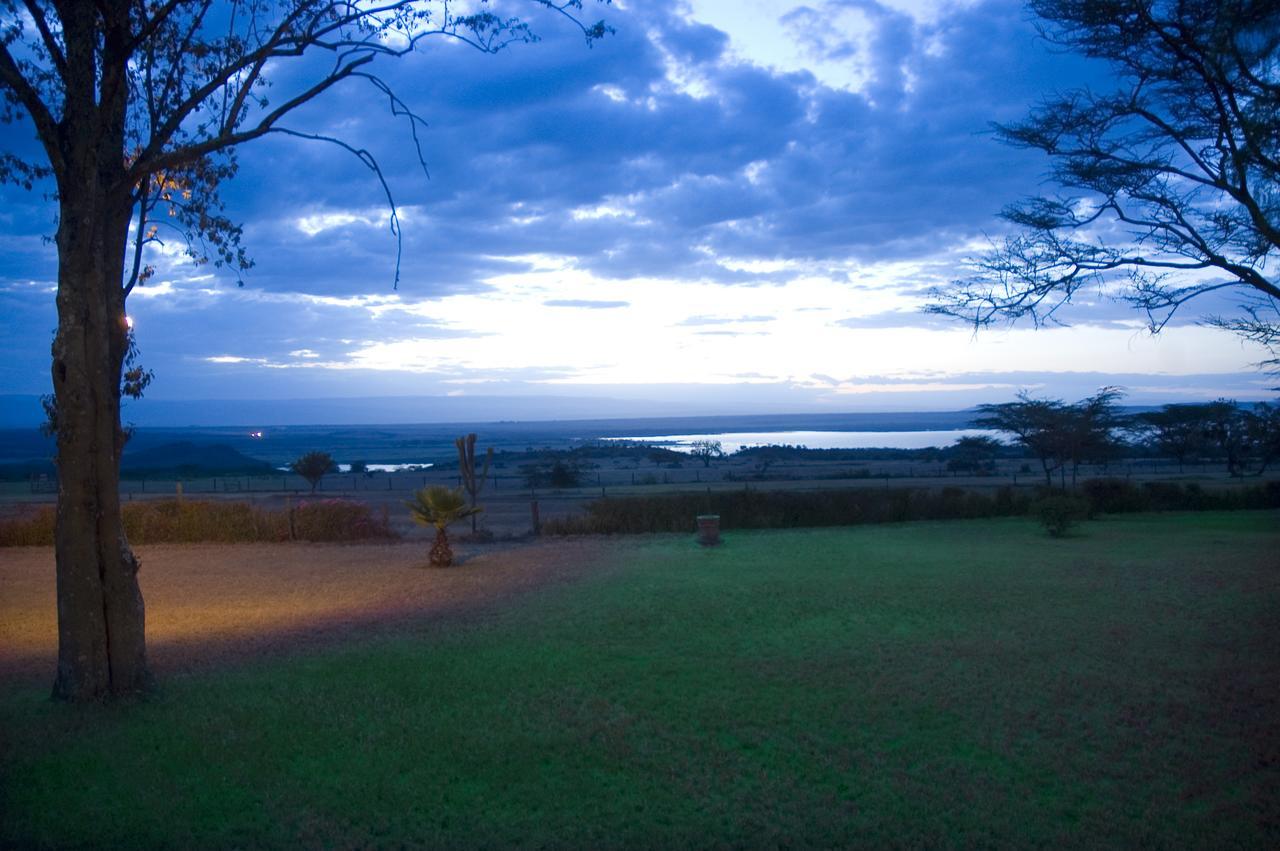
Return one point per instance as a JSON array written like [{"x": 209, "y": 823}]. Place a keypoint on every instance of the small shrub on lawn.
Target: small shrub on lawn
[{"x": 1060, "y": 514}]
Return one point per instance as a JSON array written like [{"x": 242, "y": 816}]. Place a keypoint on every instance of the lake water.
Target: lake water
[
  {"x": 372, "y": 468},
  {"x": 385, "y": 468},
  {"x": 731, "y": 442}
]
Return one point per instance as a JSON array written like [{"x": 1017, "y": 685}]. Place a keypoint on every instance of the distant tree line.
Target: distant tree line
[
  {"x": 1060, "y": 436},
  {"x": 1064, "y": 436}
]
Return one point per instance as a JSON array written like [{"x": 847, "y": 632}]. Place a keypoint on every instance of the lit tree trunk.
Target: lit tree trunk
[
  {"x": 101, "y": 642},
  {"x": 101, "y": 647}
]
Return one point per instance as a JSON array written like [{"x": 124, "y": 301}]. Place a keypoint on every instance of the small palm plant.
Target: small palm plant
[{"x": 440, "y": 506}]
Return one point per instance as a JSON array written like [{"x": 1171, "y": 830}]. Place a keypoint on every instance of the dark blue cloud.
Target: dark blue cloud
[
  {"x": 29, "y": 320},
  {"x": 749, "y": 163},
  {"x": 519, "y": 140}
]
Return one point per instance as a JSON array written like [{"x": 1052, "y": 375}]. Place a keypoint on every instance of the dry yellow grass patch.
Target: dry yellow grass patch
[{"x": 208, "y": 603}]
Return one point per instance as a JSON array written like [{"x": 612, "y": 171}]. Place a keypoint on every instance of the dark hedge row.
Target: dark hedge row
[
  {"x": 780, "y": 509},
  {"x": 765, "y": 509},
  {"x": 1120, "y": 496}
]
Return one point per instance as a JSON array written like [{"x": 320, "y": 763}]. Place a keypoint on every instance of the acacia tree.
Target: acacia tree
[
  {"x": 1177, "y": 431},
  {"x": 314, "y": 466},
  {"x": 1089, "y": 429},
  {"x": 1264, "y": 433},
  {"x": 1242, "y": 435},
  {"x": 973, "y": 453},
  {"x": 138, "y": 106},
  {"x": 1228, "y": 432},
  {"x": 706, "y": 451},
  {"x": 1035, "y": 423},
  {"x": 1170, "y": 183},
  {"x": 1222, "y": 428},
  {"x": 1058, "y": 434}
]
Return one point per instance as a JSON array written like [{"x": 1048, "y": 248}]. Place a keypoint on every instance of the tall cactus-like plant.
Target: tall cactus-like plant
[{"x": 467, "y": 471}]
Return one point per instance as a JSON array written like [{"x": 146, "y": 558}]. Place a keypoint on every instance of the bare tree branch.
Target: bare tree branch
[
  {"x": 46, "y": 125},
  {"x": 47, "y": 38},
  {"x": 370, "y": 162}
]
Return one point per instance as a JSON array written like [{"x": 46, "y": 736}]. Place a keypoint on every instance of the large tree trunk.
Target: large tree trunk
[
  {"x": 101, "y": 638},
  {"x": 101, "y": 641}
]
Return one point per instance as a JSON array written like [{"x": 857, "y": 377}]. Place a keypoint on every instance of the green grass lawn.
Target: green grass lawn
[{"x": 920, "y": 685}]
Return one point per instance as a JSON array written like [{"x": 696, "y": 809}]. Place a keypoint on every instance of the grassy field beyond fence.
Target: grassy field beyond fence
[{"x": 961, "y": 684}]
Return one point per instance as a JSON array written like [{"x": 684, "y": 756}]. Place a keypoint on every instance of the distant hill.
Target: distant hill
[
  {"x": 191, "y": 459},
  {"x": 29, "y": 455}
]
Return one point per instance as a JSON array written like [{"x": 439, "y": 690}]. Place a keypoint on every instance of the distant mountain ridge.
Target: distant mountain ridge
[{"x": 182, "y": 457}]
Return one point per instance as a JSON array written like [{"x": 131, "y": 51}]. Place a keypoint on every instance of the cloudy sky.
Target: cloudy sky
[{"x": 727, "y": 206}]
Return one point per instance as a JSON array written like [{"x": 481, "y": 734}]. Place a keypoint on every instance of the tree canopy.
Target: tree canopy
[
  {"x": 706, "y": 451},
  {"x": 1168, "y": 185},
  {"x": 314, "y": 466},
  {"x": 1058, "y": 434},
  {"x": 138, "y": 107},
  {"x": 176, "y": 86}
]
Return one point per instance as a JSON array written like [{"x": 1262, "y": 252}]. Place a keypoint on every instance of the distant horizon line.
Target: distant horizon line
[{"x": 670, "y": 419}]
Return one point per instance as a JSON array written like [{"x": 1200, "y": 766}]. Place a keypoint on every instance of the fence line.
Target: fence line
[{"x": 603, "y": 481}]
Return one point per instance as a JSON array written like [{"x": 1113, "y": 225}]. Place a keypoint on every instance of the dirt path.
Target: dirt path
[{"x": 214, "y": 604}]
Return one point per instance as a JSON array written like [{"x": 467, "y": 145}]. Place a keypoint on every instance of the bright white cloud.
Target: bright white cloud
[
  {"x": 757, "y": 35},
  {"x": 318, "y": 223},
  {"x": 233, "y": 359},
  {"x": 680, "y": 332}
]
